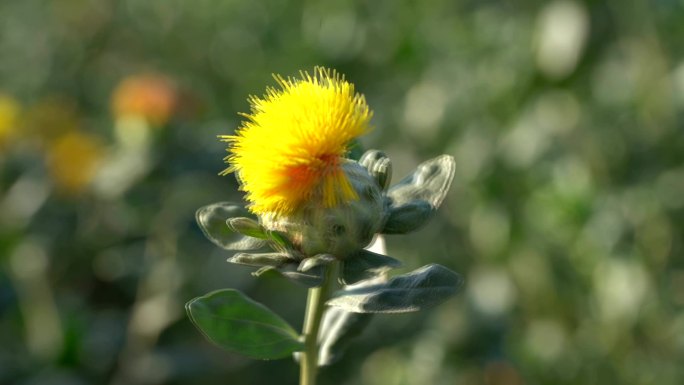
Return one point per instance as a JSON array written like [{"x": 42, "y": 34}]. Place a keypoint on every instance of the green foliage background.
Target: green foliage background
[{"x": 565, "y": 218}]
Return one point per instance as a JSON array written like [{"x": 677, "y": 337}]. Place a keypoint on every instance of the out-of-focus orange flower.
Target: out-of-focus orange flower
[
  {"x": 9, "y": 114},
  {"x": 73, "y": 160},
  {"x": 151, "y": 97}
]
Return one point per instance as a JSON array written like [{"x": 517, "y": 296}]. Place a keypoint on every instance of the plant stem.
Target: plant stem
[{"x": 315, "y": 308}]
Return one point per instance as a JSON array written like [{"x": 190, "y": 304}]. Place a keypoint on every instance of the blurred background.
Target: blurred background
[{"x": 566, "y": 215}]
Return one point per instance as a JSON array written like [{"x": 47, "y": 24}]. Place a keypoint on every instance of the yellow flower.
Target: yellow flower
[
  {"x": 9, "y": 113},
  {"x": 291, "y": 148},
  {"x": 73, "y": 160}
]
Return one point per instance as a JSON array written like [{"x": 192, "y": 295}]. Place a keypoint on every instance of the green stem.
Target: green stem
[{"x": 315, "y": 308}]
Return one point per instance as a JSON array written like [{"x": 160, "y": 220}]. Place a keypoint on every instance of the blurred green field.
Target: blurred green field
[{"x": 566, "y": 217}]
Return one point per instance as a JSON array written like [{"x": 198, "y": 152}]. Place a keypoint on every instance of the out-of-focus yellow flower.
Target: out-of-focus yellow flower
[
  {"x": 151, "y": 97},
  {"x": 73, "y": 160},
  {"x": 9, "y": 114},
  {"x": 291, "y": 147}
]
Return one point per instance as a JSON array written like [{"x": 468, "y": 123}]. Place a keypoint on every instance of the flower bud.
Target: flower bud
[{"x": 340, "y": 230}]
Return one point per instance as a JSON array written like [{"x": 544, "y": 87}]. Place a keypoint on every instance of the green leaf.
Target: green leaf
[
  {"x": 417, "y": 290},
  {"x": 338, "y": 328},
  {"x": 364, "y": 265},
  {"x": 212, "y": 220},
  {"x": 260, "y": 259},
  {"x": 234, "y": 322},
  {"x": 408, "y": 217},
  {"x": 429, "y": 184}
]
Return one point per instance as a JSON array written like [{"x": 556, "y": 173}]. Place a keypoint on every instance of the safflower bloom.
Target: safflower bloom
[
  {"x": 292, "y": 146},
  {"x": 151, "y": 97}
]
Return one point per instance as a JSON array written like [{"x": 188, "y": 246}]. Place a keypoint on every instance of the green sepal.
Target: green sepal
[
  {"x": 247, "y": 226},
  {"x": 310, "y": 278},
  {"x": 379, "y": 166},
  {"x": 260, "y": 259},
  {"x": 315, "y": 261},
  {"x": 417, "y": 290},
  {"x": 354, "y": 149},
  {"x": 364, "y": 265},
  {"x": 428, "y": 184},
  {"x": 280, "y": 242},
  {"x": 237, "y": 323},
  {"x": 212, "y": 220}
]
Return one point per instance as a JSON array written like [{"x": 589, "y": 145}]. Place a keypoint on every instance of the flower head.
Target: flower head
[
  {"x": 151, "y": 97},
  {"x": 291, "y": 148}
]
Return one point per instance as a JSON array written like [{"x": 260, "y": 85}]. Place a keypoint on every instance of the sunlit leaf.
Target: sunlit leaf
[
  {"x": 417, "y": 290},
  {"x": 235, "y": 322},
  {"x": 428, "y": 184},
  {"x": 212, "y": 220}
]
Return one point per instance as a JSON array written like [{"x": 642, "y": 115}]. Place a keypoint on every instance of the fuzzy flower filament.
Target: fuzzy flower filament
[{"x": 291, "y": 146}]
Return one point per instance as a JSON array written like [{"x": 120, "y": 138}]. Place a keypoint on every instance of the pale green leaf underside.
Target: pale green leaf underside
[
  {"x": 338, "y": 328},
  {"x": 212, "y": 219},
  {"x": 414, "y": 291}
]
